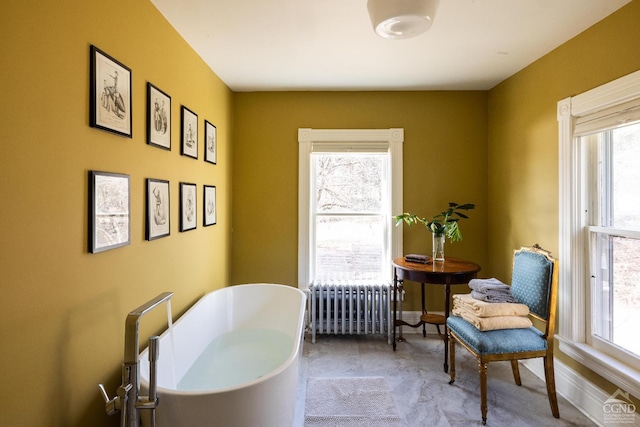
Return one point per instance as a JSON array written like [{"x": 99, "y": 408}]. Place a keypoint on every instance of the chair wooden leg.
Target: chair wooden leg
[
  {"x": 551, "y": 385},
  {"x": 483, "y": 390},
  {"x": 452, "y": 359},
  {"x": 516, "y": 372}
]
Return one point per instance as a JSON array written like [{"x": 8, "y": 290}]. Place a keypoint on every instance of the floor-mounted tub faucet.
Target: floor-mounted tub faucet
[{"x": 128, "y": 400}]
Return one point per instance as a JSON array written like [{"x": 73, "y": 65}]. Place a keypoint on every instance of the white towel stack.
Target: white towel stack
[{"x": 487, "y": 316}]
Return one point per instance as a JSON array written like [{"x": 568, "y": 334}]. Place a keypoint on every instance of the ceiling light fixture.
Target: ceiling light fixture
[{"x": 401, "y": 19}]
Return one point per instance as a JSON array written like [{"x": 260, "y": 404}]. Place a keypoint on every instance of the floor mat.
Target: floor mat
[{"x": 350, "y": 402}]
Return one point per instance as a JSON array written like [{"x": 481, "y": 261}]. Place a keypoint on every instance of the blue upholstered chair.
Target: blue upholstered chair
[{"x": 534, "y": 283}]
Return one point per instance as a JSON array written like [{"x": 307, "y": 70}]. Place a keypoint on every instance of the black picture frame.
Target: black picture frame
[
  {"x": 188, "y": 206},
  {"x": 109, "y": 211},
  {"x": 188, "y": 133},
  {"x": 158, "y": 117},
  {"x": 209, "y": 205},
  {"x": 210, "y": 142},
  {"x": 109, "y": 94},
  {"x": 158, "y": 204}
]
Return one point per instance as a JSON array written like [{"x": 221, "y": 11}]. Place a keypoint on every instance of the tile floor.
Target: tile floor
[{"x": 420, "y": 388}]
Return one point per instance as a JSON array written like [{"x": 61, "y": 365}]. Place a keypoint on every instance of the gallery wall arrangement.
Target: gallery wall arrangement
[{"x": 110, "y": 110}]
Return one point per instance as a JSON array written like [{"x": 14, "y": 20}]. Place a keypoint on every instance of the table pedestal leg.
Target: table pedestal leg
[
  {"x": 400, "y": 337},
  {"x": 395, "y": 304},
  {"x": 424, "y": 311},
  {"x": 447, "y": 296}
]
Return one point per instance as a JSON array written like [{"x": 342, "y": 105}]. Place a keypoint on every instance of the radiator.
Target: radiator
[{"x": 341, "y": 309}]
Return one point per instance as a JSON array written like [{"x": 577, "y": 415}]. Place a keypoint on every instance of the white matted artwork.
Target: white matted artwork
[
  {"x": 187, "y": 206},
  {"x": 189, "y": 146},
  {"x": 211, "y": 143},
  {"x": 158, "y": 212},
  {"x": 110, "y": 94},
  {"x": 158, "y": 118},
  {"x": 209, "y": 205},
  {"x": 109, "y": 211}
]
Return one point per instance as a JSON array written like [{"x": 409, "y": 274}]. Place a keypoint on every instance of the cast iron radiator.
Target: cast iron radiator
[{"x": 340, "y": 309}]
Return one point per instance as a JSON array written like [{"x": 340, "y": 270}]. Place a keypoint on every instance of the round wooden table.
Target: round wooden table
[{"x": 451, "y": 271}]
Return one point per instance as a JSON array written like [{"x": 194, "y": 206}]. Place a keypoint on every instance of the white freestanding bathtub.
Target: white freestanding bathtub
[{"x": 231, "y": 360}]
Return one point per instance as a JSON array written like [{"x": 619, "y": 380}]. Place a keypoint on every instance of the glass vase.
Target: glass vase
[{"x": 437, "y": 246}]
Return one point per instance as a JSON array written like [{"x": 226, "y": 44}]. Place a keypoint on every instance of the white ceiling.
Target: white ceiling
[{"x": 260, "y": 45}]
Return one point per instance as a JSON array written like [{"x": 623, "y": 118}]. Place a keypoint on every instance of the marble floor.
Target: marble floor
[{"x": 420, "y": 388}]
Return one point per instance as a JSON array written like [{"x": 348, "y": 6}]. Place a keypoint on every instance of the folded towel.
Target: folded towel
[
  {"x": 482, "y": 285},
  {"x": 491, "y": 290},
  {"x": 456, "y": 311},
  {"x": 493, "y": 323},
  {"x": 422, "y": 259},
  {"x": 487, "y": 309},
  {"x": 494, "y": 296}
]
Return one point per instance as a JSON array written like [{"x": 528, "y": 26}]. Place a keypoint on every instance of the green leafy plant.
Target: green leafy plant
[{"x": 446, "y": 222}]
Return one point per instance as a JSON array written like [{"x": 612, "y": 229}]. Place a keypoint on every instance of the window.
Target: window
[
  {"x": 350, "y": 183},
  {"x": 600, "y": 230}
]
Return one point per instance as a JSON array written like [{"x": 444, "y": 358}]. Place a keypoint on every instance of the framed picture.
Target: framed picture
[
  {"x": 209, "y": 205},
  {"x": 158, "y": 214},
  {"x": 187, "y": 206},
  {"x": 158, "y": 118},
  {"x": 109, "y": 211},
  {"x": 109, "y": 94},
  {"x": 189, "y": 133},
  {"x": 210, "y": 142}
]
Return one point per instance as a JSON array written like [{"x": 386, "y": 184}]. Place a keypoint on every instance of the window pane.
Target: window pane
[
  {"x": 603, "y": 289},
  {"x": 626, "y": 177},
  {"x": 349, "y": 182},
  {"x": 349, "y": 248},
  {"x": 626, "y": 293}
]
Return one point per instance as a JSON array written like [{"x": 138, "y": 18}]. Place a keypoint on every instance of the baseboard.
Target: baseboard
[{"x": 580, "y": 392}]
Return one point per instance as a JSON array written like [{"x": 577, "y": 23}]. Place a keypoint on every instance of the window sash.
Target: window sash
[
  {"x": 364, "y": 251},
  {"x": 385, "y": 190},
  {"x": 600, "y": 331}
]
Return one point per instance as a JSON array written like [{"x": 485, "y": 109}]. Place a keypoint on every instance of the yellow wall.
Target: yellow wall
[
  {"x": 523, "y": 137},
  {"x": 445, "y": 160},
  {"x": 63, "y": 309}
]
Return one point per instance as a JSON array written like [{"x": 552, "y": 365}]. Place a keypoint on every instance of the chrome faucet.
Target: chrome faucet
[{"x": 128, "y": 400}]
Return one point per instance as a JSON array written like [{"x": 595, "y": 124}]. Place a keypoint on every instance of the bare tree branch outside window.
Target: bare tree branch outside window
[{"x": 350, "y": 223}]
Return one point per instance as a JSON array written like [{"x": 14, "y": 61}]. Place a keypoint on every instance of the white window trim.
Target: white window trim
[
  {"x": 573, "y": 274},
  {"x": 359, "y": 137}
]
